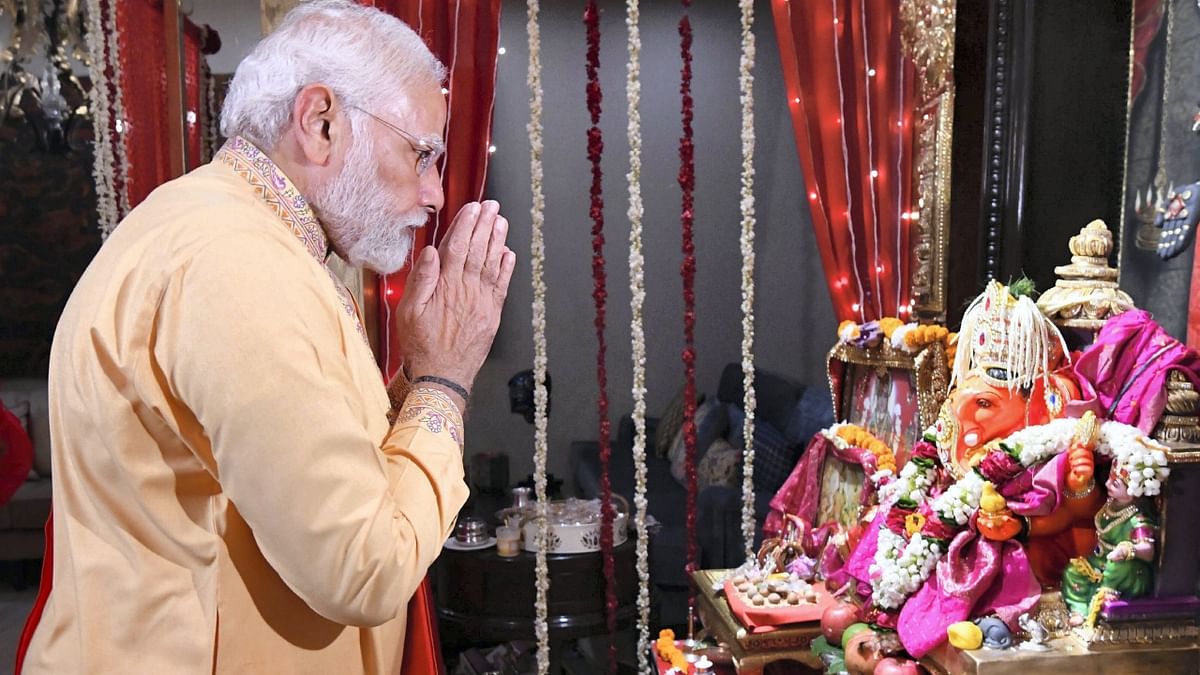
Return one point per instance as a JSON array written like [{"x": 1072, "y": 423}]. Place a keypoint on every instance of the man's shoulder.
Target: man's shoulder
[{"x": 208, "y": 208}]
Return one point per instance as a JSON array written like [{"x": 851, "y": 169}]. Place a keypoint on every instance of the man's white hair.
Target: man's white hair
[{"x": 367, "y": 57}]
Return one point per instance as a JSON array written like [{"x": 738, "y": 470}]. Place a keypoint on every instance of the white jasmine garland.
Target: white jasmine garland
[
  {"x": 1039, "y": 443},
  {"x": 98, "y": 95},
  {"x": 901, "y": 567},
  {"x": 637, "y": 288},
  {"x": 537, "y": 261},
  {"x": 960, "y": 501},
  {"x": 1143, "y": 458},
  {"x": 746, "y": 83}
]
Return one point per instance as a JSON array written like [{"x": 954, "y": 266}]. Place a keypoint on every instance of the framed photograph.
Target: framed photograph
[{"x": 892, "y": 394}]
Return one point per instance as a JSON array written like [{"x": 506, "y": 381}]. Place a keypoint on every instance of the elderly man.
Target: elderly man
[{"x": 229, "y": 495}]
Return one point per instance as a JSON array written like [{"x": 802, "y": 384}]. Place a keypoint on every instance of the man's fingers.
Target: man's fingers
[
  {"x": 496, "y": 249},
  {"x": 481, "y": 234},
  {"x": 423, "y": 278},
  {"x": 508, "y": 262},
  {"x": 457, "y": 242}
]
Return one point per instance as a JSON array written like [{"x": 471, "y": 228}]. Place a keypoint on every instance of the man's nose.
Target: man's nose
[{"x": 432, "y": 196}]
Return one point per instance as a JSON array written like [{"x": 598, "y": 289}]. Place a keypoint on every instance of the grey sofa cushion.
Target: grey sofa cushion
[
  {"x": 813, "y": 412},
  {"x": 29, "y": 506}
]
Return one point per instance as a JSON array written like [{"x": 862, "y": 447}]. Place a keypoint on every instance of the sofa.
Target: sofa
[
  {"x": 23, "y": 518},
  {"x": 788, "y": 413}
]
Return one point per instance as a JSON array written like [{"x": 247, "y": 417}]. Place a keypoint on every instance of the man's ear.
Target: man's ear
[{"x": 315, "y": 117}]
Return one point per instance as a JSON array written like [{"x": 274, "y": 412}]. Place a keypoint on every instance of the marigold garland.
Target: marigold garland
[
  {"x": 537, "y": 261},
  {"x": 595, "y": 152},
  {"x": 907, "y": 337},
  {"x": 665, "y": 646},
  {"x": 637, "y": 299},
  {"x": 749, "y": 402},
  {"x": 858, "y": 437}
]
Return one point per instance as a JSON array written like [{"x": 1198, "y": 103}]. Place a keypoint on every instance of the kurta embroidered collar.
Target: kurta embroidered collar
[{"x": 277, "y": 191}]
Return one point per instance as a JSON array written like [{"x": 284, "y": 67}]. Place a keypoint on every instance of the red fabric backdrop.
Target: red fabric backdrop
[
  {"x": 465, "y": 35},
  {"x": 142, "y": 51},
  {"x": 850, "y": 90}
]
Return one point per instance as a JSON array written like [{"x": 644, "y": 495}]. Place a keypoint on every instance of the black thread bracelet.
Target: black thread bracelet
[{"x": 452, "y": 386}]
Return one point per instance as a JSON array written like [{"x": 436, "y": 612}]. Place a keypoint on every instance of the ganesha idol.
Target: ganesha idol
[{"x": 1002, "y": 495}]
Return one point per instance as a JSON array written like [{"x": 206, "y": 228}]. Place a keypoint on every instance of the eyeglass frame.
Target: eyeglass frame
[{"x": 435, "y": 148}]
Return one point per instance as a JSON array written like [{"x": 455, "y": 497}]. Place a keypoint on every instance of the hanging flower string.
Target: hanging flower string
[
  {"x": 637, "y": 299},
  {"x": 537, "y": 260},
  {"x": 595, "y": 152},
  {"x": 687, "y": 183},
  {"x": 123, "y": 128},
  {"x": 749, "y": 403},
  {"x": 102, "y": 165}
]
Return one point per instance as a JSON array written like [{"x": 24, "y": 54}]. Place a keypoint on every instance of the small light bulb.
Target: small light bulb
[
  {"x": 874, "y": 173},
  {"x": 491, "y": 149},
  {"x": 812, "y": 195},
  {"x": 835, "y": 21},
  {"x": 854, "y": 307},
  {"x": 445, "y": 91},
  {"x": 502, "y": 51},
  {"x": 871, "y": 72}
]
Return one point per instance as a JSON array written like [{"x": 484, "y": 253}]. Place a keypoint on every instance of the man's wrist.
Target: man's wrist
[
  {"x": 454, "y": 397},
  {"x": 450, "y": 384}
]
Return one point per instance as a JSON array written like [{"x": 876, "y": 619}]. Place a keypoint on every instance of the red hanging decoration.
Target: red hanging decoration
[
  {"x": 687, "y": 184},
  {"x": 595, "y": 150}
]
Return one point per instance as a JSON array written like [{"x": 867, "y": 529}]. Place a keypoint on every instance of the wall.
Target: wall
[
  {"x": 794, "y": 319},
  {"x": 795, "y": 322}
]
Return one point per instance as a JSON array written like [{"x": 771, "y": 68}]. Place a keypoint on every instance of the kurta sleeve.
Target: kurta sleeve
[{"x": 249, "y": 341}]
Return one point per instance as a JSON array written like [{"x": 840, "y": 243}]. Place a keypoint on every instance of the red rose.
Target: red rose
[
  {"x": 999, "y": 467},
  {"x": 895, "y": 520},
  {"x": 936, "y": 528},
  {"x": 924, "y": 450}
]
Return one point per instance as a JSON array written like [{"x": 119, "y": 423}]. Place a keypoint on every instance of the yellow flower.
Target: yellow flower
[
  {"x": 913, "y": 523},
  {"x": 889, "y": 325}
]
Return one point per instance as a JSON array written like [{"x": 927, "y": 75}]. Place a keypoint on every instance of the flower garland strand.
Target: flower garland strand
[
  {"x": 687, "y": 183},
  {"x": 123, "y": 128},
  {"x": 637, "y": 300},
  {"x": 102, "y": 147},
  {"x": 537, "y": 261},
  {"x": 749, "y": 403},
  {"x": 595, "y": 152}
]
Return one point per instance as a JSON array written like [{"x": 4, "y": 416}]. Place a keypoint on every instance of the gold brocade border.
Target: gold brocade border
[
  {"x": 434, "y": 411},
  {"x": 927, "y": 34}
]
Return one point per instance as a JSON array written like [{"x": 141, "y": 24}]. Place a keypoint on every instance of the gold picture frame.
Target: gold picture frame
[{"x": 903, "y": 391}]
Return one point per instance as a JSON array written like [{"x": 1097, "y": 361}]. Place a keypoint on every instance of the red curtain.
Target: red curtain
[
  {"x": 465, "y": 35},
  {"x": 142, "y": 52},
  {"x": 850, "y": 90}
]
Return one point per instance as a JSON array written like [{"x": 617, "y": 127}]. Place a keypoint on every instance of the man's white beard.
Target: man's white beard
[{"x": 361, "y": 224}]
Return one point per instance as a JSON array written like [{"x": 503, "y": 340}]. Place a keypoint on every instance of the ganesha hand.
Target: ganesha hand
[
  {"x": 998, "y": 526},
  {"x": 1081, "y": 468},
  {"x": 1123, "y": 551}
]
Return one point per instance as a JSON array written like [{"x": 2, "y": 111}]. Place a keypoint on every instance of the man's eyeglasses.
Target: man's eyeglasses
[{"x": 428, "y": 151}]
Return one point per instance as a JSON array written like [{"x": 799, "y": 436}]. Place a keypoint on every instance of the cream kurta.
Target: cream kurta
[{"x": 228, "y": 495}]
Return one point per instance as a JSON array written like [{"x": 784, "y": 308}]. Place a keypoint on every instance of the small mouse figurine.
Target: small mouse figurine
[{"x": 996, "y": 634}]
